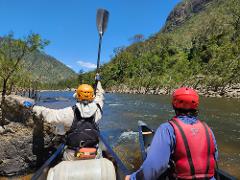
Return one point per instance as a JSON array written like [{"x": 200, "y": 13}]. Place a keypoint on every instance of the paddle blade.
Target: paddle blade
[{"x": 102, "y": 20}]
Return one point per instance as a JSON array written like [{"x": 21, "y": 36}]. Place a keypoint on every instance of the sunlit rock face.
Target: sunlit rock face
[
  {"x": 183, "y": 11},
  {"x": 14, "y": 110},
  {"x": 24, "y": 140},
  {"x": 16, "y": 150}
]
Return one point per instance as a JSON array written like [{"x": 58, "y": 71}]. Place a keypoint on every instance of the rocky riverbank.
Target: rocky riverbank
[
  {"x": 24, "y": 141},
  {"x": 231, "y": 91}
]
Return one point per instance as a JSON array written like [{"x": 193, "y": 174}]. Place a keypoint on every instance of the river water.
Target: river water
[{"x": 123, "y": 111}]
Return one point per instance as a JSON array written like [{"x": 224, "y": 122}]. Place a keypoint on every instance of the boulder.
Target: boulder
[
  {"x": 24, "y": 142},
  {"x": 15, "y": 112}
]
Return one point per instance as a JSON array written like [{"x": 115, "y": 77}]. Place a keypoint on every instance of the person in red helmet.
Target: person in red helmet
[{"x": 185, "y": 142}]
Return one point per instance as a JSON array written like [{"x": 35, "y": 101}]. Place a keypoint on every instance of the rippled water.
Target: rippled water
[{"x": 122, "y": 111}]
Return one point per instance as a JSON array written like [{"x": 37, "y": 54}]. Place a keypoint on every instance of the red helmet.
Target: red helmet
[{"x": 185, "y": 98}]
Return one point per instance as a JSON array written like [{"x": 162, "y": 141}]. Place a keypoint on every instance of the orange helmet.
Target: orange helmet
[{"x": 85, "y": 92}]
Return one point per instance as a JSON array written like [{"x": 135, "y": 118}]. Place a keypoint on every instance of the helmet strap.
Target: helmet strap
[{"x": 186, "y": 112}]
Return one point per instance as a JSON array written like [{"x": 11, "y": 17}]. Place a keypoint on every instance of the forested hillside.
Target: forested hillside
[
  {"x": 199, "y": 47},
  {"x": 24, "y": 65},
  {"x": 47, "y": 72},
  {"x": 47, "y": 69}
]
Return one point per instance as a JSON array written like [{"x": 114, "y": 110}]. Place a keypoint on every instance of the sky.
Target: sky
[{"x": 70, "y": 25}]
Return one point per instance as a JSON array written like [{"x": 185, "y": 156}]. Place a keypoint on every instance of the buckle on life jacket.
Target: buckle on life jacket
[{"x": 86, "y": 153}]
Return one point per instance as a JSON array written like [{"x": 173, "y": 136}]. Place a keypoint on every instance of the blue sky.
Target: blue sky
[{"x": 70, "y": 25}]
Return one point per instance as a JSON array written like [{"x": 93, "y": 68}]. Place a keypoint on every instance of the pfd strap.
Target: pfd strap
[
  {"x": 99, "y": 107},
  {"x": 208, "y": 146},
  {"x": 77, "y": 115},
  {"x": 186, "y": 148},
  {"x": 76, "y": 112}
]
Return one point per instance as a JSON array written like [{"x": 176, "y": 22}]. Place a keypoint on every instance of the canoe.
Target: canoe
[
  {"x": 100, "y": 169},
  {"x": 56, "y": 169},
  {"x": 52, "y": 160},
  {"x": 145, "y": 138}
]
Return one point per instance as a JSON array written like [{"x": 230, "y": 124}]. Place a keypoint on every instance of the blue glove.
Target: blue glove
[
  {"x": 97, "y": 77},
  {"x": 28, "y": 104}
]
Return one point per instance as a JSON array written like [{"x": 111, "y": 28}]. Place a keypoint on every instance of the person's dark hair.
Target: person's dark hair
[{"x": 186, "y": 112}]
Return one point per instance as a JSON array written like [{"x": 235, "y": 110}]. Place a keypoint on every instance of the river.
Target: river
[{"x": 122, "y": 112}]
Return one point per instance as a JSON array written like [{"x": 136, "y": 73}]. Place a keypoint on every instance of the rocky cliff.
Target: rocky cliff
[{"x": 184, "y": 11}]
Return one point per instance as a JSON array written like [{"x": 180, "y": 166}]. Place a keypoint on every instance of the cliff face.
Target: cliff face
[{"x": 184, "y": 11}]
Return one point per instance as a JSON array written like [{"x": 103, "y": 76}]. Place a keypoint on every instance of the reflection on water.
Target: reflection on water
[{"x": 122, "y": 111}]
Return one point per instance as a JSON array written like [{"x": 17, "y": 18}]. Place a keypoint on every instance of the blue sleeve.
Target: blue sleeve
[
  {"x": 159, "y": 153},
  {"x": 215, "y": 144}
]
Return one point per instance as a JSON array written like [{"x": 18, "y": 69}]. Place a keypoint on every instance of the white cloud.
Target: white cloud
[
  {"x": 69, "y": 66},
  {"x": 87, "y": 65}
]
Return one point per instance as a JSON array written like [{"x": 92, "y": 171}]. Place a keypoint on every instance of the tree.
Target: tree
[
  {"x": 80, "y": 76},
  {"x": 137, "y": 38},
  {"x": 12, "y": 52}
]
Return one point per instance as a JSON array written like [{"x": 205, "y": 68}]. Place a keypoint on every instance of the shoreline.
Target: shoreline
[
  {"x": 53, "y": 90},
  {"x": 232, "y": 91}
]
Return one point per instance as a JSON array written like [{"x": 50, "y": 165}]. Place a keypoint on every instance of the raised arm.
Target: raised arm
[
  {"x": 99, "y": 99},
  {"x": 55, "y": 116}
]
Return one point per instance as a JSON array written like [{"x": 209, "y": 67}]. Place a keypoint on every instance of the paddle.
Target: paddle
[
  {"x": 48, "y": 162},
  {"x": 102, "y": 20},
  {"x": 145, "y": 138}
]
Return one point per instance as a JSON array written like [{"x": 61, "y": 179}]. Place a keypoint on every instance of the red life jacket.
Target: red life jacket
[{"x": 194, "y": 151}]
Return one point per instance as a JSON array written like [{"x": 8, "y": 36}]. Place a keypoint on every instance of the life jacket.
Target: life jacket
[
  {"x": 194, "y": 150},
  {"x": 83, "y": 132},
  {"x": 86, "y": 153}
]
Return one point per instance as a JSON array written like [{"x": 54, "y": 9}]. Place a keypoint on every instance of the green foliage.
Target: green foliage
[
  {"x": 12, "y": 53},
  {"x": 47, "y": 69},
  {"x": 204, "y": 49}
]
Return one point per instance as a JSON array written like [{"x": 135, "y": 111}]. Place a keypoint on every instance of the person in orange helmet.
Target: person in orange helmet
[
  {"x": 185, "y": 141},
  {"x": 81, "y": 120}
]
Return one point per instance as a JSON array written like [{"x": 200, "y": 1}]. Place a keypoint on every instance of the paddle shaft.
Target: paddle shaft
[
  {"x": 141, "y": 142},
  {"x": 98, "y": 61},
  {"x": 99, "y": 52}
]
